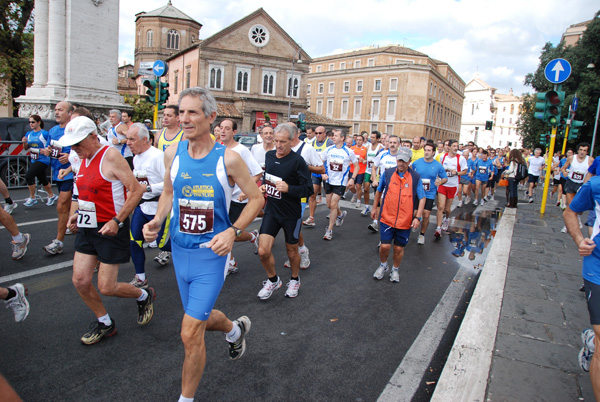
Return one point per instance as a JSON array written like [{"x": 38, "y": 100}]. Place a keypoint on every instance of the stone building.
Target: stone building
[
  {"x": 505, "y": 131},
  {"x": 392, "y": 89},
  {"x": 574, "y": 32}
]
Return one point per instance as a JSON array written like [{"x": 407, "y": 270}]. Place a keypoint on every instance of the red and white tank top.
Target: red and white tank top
[{"x": 108, "y": 195}]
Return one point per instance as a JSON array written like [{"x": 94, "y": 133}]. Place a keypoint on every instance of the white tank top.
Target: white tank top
[{"x": 578, "y": 169}]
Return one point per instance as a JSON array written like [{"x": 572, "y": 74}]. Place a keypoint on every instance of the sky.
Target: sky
[{"x": 499, "y": 41}]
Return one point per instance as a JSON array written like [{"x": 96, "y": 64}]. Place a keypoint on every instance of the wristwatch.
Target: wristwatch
[
  {"x": 148, "y": 188},
  {"x": 238, "y": 232},
  {"x": 119, "y": 223},
  {"x": 419, "y": 218}
]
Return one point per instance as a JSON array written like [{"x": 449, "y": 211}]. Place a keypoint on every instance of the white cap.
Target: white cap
[
  {"x": 404, "y": 154},
  {"x": 77, "y": 130}
]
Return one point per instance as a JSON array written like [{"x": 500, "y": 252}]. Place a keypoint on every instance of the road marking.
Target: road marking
[
  {"x": 33, "y": 222},
  {"x": 37, "y": 271}
]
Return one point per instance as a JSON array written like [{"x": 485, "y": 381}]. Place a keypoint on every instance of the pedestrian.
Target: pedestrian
[
  {"x": 34, "y": 141},
  {"x": 515, "y": 158}
]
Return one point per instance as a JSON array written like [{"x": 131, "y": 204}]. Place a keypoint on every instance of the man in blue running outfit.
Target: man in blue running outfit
[
  {"x": 588, "y": 198},
  {"x": 199, "y": 179}
]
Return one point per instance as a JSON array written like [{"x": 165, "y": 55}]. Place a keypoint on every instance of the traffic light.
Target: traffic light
[
  {"x": 547, "y": 139},
  {"x": 302, "y": 125},
  {"x": 489, "y": 125},
  {"x": 540, "y": 107},
  {"x": 574, "y": 130},
  {"x": 151, "y": 91},
  {"x": 163, "y": 95},
  {"x": 543, "y": 139},
  {"x": 549, "y": 110}
]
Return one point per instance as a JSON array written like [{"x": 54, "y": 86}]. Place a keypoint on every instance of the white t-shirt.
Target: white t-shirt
[
  {"x": 371, "y": 155},
  {"x": 450, "y": 163},
  {"x": 337, "y": 164},
  {"x": 384, "y": 161},
  {"x": 258, "y": 152},
  {"x": 310, "y": 154},
  {"x": 535, "y": 165},
  {"x": 149, "y": 169},
  {"x": 122, "y": 148},
  {"x": 253, "y": 167}
]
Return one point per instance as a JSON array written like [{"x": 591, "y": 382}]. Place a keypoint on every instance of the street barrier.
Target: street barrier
[{"x": 14, "y": 163}]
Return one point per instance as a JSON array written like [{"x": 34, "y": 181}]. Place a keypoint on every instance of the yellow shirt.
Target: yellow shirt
[
  {"x": 163, "y": 143},
  {"x": 418, "y": 154}
]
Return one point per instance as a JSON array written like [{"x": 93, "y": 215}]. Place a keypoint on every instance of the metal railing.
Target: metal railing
[{"x": 14, "y": 163}]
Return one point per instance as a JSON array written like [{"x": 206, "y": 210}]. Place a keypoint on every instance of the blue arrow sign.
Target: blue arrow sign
[
  {"x": 557, "y": 71},
  {"x": 574, "y": 104},
  {"x": 159, "y": 68}
]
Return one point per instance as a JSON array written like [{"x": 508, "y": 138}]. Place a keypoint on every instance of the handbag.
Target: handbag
[{"x": 503, "y": 183}]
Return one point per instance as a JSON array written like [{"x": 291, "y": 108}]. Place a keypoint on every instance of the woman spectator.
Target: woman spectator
[
  {"x": 37, "y": 139},
  {"x": 514, "y": 159}
]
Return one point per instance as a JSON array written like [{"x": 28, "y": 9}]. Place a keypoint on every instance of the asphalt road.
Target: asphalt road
[{"x": 341, "y": 339}]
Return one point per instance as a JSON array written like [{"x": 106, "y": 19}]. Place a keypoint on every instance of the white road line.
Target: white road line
[
  {"x": 33, "y": 222},
  {"x": 37, "y": 271}
]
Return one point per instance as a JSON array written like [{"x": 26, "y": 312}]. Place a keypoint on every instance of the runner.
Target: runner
[
  {"x": 116, "y": 136},
  {"x": 373, "y": 150},
  {"x": 108, "y": 193},
  {"x": 455, "y": 166},
  {"x": 35, "y": 140},
  {"x": 402, "y": 200},
  {"x": 337, "y": 179},
  {"x": 171, "y": 132},
  {"x": 484, "y": 172},
  {"x": 536, "y": 164},
  {"x": 286, "y": 180},
  {"x": 385, "y": 160},
  {"x": 578, "y": 166},
  {"x": 259, "y": 150},
  {"x": 464, "y": 183},
  {"x": 361, "y": 154},
  {"x": 432, "y": 175},
  {"x": 321, "y": 143},
  {"x": 201, "y": 231}
]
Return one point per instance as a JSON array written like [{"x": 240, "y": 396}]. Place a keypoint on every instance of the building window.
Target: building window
[
  {"x": 268, "y": 82},
  {"x": 389, "y": 129},
  {"x": 359, "y": 86},
  {"x": 321, "y": 88},
  {"x": 149, "y": 38},
  {"x": 375, "y": 109},
  {"x": 215, "y": 77},
  {"x": 377, "y": 85},
  {"x": 510, "y": 121},
  {"x": 504, "y": 109},
  {"x": 293, "y": 83},
  {"x": 331, "y": 87},
  {"x": 472, "y": 109},
  {"x": 242, "y": 79},
  {"x": 319, "y": 107},
  {"x": 344, "y": 108},
  {"x": 188, "y": 76},
  {"x": 176, "y": 79},
  {"x": 393, "y": 84},
  {"x": 357, "y": 64},
  {"x": 355, "y": 128},
  {"x": 330, "y": 108},
  {"x": 371, "y": 63},
  {"x": 318, "y": 69},
  {"x": 357, "y": 107},
  {"x": 342, "y": 65},
  {"x": 430, "y": 89},
  {"x": 391, "y": 108},
  {"x": 346, "y": 86},
  {"x": 308, "y": 89},
  {"x": 331, "y": 67},
  {"x": 512, "y": 109},
  {"x": 373, "y": 127},
  {"x": 172, "y": 39}
]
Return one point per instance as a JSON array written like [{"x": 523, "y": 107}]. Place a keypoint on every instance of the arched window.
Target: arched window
[
  {"x": 172, "y": 39},
  {"x": 512, "y": 109},
  {"x": 149, "y": 37}
]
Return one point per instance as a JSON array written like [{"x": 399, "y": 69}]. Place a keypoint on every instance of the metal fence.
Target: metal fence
[{"x": 14, "y": 163}]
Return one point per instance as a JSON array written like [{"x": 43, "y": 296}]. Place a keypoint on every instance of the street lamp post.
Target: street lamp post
[{"x": 291, "y": 85}]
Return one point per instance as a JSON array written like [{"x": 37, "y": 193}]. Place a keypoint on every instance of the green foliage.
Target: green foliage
[
  {"x": 16, "y": 45},
  {"x": 583, "y": 81},
  {"x": 142, "y": 110}
]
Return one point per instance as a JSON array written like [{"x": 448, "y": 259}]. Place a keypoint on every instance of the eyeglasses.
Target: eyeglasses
[
  {"x": 32, "y": 122},
  {"x": 319, "y": 132}
]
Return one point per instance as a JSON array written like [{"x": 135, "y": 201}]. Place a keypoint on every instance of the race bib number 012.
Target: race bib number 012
[
  {"x": 271, "y": 186},
  {"x": 196, "y": 217}
]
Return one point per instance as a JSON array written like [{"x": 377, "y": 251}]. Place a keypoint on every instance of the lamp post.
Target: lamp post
[{"x": 291, "y": 85}]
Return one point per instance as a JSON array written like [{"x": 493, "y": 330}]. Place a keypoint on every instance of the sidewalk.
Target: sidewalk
[{"x": 539, "y": 312}]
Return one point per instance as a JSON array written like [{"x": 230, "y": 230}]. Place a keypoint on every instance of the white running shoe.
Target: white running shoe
[
  {"x": 310, "y": 221},
  {"x": 292, "y": 288},
  {"x": 380, "y": 271},
  {"x": 268, "y": 288},
  {"x": 460, "y": 204},
  {"x": 564, "y": 230},
  {"x": 475, "y": 202},
  {"x": 394, "y": 276},
  {"x": 328, "y": 235},
  {"x": 52, "y": 200},
  {"x": 8, "y": 208},
  {"x": 30, "y": 201},
  {"x": 304, "y": 260},
  {"x": 445, "y": 224},
  {"x": 358, "y": 204},
  {"x": 482, "y": 202},
  {"x": 19, "y": 249},
  {"x": 255, "y": 242},
  {"x": 232, "y": 268},
  {"x": 374, "y": 226},
  {"x": 366, "y": 211},
  {"x": 421, "y": 239},
  {"x": 353, "y": 200},
  {"x": 56, "y": 247},
  {"x": 163, "y": 257},
  {"x": 18, "y": 304},
  {"x": 339, "y": 221}
]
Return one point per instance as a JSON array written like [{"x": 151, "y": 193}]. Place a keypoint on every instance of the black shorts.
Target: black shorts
[
  {"x": 563, "y": 183},
  {"x": 555, "y": 182},
  {"x": 571, "y": 187},
  {"x": 339, "y": 190},
  {"x": 429, "y": 204},
  {"x": 317, "y": 180},
  {"x": 37, "y": 170},
  {"x": 592, "y": 295},
  {"x": 360, "y": 178},
  {"x": 291, "y": 227},
  {"x": 235, "y": 210},
  {"x": 108, "y": 249},
  {"x": 64, "y": 186},
  {"x": 532, "y": 179}
]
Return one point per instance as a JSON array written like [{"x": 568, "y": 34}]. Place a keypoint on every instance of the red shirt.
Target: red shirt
[{"x": 361, "y": 153}]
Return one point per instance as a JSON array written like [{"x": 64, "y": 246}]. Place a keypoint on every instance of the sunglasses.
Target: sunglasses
[{"x": 32, "y": 122}]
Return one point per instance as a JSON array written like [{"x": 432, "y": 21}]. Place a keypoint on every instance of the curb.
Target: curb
[{"x": 466, "y": 372}]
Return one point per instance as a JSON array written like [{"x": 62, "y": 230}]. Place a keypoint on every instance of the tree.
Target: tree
[
  {"x": 583, "y": 81},
  {"x": 16, "y": 45},
  {"x": 142, "y": 110}
]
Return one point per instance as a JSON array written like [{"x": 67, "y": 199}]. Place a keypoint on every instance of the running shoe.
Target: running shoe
[
  {"x": 30, "y": 201},
  {"x": 482, "y": 202},
  {"x": 304, "y": 260},
  {"x": 353, "y": 200},
  {"x": 99, "y": 331},
  {"x": 19, "y": 249},
  {"x": 232, "y": 268},
  {"x": 237, "y": 348},
  {"x": 310, "y": 221},
  {"x": 394, "y": 276},
  {"x": 328, "y": 234},
  {"x": 421, "y": 239},
  {"x": 152, "y": 244},
  {"x": 564, "y": 230},
  {"x": 475, "y": 202},
  {"x": 146, "y": 308},
  {"x": 52, "y": 200},
  {"x": 292, "y": 288},
  {"x": 68, "y": 232},
  {"x": 374, "y": 226},
  {"x": 358, "y": 204},
  {"x": 339, "y": 221},
  {"x": 587, "y": 351},
  {"x": 438, "y": 233},
  {"x": 460, "y": 204},
  {"x": 8, "y": 208},
  {"x": 138, "y": 283},
  {"x": 18, "y": 304},
  {"x": 163, "y": 257},
  {"x": 56, "y": 247},
  {"x": 380, "y": 271},
  {"x": 530, "y": 200},
  {"x": 268, "y": 288},
  {"x": 255, "y": 242},
  {"x": 366, "y": 211},
  {"x": 445, "y": 224}
]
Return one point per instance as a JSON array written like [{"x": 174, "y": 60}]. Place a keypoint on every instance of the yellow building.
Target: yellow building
[{"x": 393, "y": 89}]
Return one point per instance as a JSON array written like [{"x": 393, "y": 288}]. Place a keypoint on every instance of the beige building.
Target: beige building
[
  {"x": 574, "y": 33},
  {"x": 505, "y": 131},
  {"x": 393, "y": 89},
  {"x": 248, "y": 67}
]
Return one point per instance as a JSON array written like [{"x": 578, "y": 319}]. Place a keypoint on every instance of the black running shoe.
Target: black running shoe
[
  {"x": 99, "y": 331},
  {"x": 237, "y": 348},
  {"x": 146, "y": 308}
]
